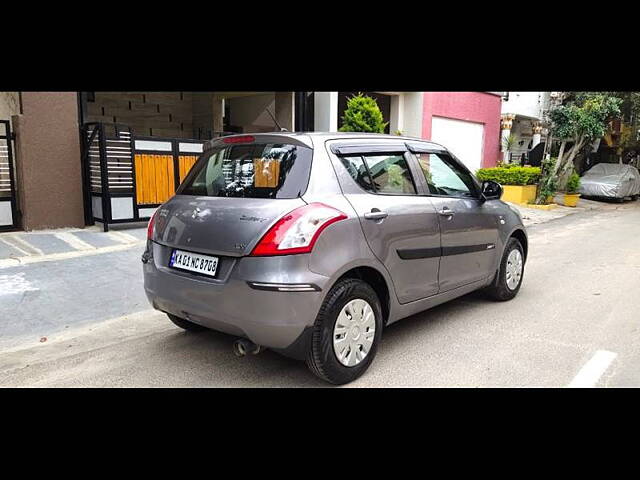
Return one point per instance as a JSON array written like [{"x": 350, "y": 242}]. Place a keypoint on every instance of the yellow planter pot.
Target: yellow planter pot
[
  {"x": 519, "y": 193},
  {"x": 571, "y": 199}
]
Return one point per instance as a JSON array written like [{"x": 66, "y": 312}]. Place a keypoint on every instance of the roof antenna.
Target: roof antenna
[{"x": 275, "y": 121}]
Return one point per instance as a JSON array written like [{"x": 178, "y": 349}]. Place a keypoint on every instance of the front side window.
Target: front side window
[
  {"x": 386, "y": 174},
  {"x": 444, "y": 177},
  {"x": 250, "y": 171}
]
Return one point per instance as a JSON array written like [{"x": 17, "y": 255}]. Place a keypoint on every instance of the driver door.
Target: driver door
[{"x": 469, "y": 228}]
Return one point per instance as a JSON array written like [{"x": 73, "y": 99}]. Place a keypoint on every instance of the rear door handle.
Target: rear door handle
[
  {"x": 446, "y": 212},
  {"x": 375, "y": 214}
]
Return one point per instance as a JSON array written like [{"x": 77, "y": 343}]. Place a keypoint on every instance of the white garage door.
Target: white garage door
[{"x": 464, "y": 139}]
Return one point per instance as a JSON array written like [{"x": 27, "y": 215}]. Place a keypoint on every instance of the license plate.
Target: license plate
[{"x": 194, "y": 262}]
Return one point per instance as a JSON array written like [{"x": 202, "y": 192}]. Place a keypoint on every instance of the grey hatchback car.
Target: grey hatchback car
[{"x": 310, "y": 244}]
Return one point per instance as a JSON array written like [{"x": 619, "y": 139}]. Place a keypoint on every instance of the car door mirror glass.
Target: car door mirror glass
[{"x": 491, "y": 190}]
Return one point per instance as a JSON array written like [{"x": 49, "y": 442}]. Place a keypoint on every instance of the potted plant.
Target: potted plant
[{"x": 571, "y": 196}]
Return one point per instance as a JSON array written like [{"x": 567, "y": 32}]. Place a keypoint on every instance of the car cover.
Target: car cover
[{"x": 611, "y": 180}]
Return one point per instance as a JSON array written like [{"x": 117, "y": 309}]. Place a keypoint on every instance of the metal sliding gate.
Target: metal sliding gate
[
  {"x": 128, "y": 176},
  {"x": 8, "y": 202}
]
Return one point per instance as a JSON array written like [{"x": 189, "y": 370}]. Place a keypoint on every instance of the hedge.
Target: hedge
[{"x": 510, "y": 175}]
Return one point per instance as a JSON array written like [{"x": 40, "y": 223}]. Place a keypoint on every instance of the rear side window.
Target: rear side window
[
  {"x": 266, "y": 170},
  {"x": 386, "y": 174}
]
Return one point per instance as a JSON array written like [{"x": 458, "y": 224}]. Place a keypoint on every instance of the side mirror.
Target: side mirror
[{"x": 491, "y": 190}]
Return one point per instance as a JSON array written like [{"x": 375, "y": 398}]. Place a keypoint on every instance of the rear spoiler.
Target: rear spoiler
[
  {"x": 290, "y": 139},
  {"x": 390, "y": 147}
]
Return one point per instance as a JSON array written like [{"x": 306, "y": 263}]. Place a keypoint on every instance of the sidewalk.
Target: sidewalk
[
  {"x": 533, "y": 216},
  {"x": 18, "y": 248}
]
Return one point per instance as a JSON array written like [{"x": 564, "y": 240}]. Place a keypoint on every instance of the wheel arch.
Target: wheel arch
[
  {"x": 519, "y": 235},
  {"x": 377, "y": 281}
]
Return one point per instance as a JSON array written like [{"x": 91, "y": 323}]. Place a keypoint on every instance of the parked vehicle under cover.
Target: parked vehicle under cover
[
  {"x": 611, "y": 180},
  {"x": 311, "y": 244}
]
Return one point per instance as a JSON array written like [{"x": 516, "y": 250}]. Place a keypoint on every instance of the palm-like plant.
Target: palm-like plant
[{"x": 508, "y": 142}]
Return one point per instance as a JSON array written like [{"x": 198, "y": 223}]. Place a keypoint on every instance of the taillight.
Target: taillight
[
  {"x": 298, "y": 230},
  {"x": 151, "y": 225}
]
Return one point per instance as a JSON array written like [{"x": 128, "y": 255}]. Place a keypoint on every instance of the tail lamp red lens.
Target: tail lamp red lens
[
  {"x": 151, "y": 225},
  {"x": 297, "y": 231}
]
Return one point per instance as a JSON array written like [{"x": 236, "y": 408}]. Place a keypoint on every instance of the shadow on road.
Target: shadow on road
[{"x": 207, "y": 359}]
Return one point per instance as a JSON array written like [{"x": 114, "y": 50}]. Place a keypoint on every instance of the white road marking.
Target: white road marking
[
  {"x": 591, "y": 372},
  {"x": 17, "y": 242},
  {"x": 74, "y": 241},
  {"x": 122, "y": 237},
  {"x": 14, "y": 262},
  {"x": 14, "y": 246},
  {"x": 12, "y": 284}
]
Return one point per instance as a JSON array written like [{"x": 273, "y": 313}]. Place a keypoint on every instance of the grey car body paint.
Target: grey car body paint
[{"x": 278, "y": 319}]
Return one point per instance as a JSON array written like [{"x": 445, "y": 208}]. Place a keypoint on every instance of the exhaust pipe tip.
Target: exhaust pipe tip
[{"x": 243, "y": 347}]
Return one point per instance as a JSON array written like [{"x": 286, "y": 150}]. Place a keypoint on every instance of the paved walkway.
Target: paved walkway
[
  {"x": 19, "y": 248},
  {"x": 533, "y": 216}
]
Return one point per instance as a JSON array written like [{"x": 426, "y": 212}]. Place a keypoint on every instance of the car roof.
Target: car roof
[{"x": 339, "y": 136}]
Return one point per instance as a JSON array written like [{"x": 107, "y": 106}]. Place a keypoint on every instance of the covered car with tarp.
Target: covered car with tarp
[{"x": 611, "y": 180}]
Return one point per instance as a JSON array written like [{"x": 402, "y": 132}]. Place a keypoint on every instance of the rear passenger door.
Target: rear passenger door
[
  {"x": 400, "y": 226},
  {"x": 468, "y": 226}
]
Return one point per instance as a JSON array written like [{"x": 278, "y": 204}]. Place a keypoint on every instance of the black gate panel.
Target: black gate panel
[
  {"x": 123, "y": 176},
  {"x": 8, "y": 203},
  {"x": 109, "y": 173}
]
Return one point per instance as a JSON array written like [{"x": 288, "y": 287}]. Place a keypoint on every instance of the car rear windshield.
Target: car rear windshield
[{"x": 257, "y": 170}]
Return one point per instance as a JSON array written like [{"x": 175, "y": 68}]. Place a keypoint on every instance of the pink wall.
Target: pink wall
[{"x": 469, "y": 106}]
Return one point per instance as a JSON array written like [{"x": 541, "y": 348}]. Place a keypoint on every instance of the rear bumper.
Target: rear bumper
[{"x": 267, "y": 317}]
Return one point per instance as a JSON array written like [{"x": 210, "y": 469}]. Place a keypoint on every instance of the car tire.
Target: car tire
[
  {"x": 634, "y": 198},
  {"x": 502, "y": 288},
  {"x": 322, "y": 358},
  {"x": 186, "y": 324}
]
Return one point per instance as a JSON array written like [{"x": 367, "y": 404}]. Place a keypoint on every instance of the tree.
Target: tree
[
  {"x": 363, "y": 115},
  {"x": 583, "y": 118},
  {"x": 548, "y": 181},
  {"x": 628, "y": 143}
]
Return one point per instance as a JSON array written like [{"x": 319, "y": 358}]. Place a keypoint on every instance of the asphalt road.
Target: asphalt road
[{"x": 575, "y": 322}]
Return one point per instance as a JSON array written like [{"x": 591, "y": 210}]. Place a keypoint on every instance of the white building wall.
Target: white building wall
[
  {"x": 413, "y": 114},
  {"x": 526, "y": 104},
  {"x": 325, "y": 112},
  {"x": 396, "y": 120}
]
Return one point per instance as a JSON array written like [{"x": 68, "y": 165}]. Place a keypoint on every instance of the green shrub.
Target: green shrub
[
  {"x": 573, "y": 184},
  {"x": 363, "y": 115},
  {"x": 510, "y": 175}
]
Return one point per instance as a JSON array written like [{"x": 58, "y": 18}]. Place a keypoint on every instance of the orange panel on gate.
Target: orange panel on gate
[
  {"x": 186, "y": 162},
  {"x": 155, "y": 180}
]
